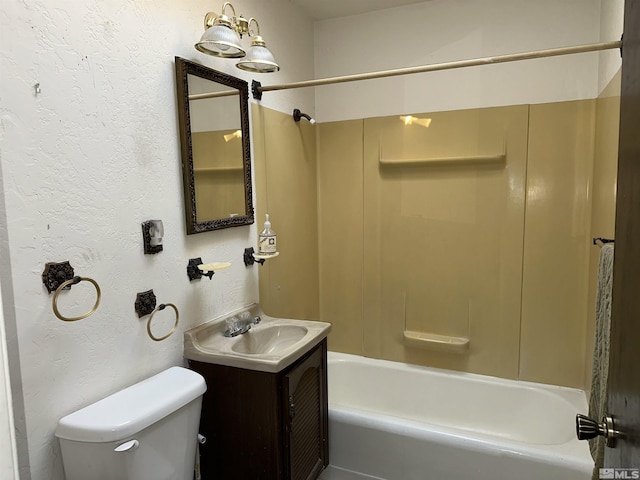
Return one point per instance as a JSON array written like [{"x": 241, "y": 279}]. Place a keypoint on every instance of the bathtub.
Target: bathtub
[{"x": 396, "y": 421}]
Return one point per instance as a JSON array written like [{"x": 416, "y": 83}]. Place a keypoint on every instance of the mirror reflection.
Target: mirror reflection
[{"x": 215, "y": 147}]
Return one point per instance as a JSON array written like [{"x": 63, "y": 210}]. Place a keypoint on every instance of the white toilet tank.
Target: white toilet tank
[{"x": 147, "y": 431}]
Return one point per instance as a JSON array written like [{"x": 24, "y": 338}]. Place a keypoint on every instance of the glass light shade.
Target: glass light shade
[
  {"x": 259, "y": 59},
  {"x": 220, "y": 41}
]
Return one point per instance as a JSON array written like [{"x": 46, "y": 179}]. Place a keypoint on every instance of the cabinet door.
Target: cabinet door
[{"x": 305, "y": 416}]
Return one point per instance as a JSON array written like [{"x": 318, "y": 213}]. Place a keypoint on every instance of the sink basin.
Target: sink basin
[
  {"x": 269, "y": 346},
  {"x": 270, "y": 339}
]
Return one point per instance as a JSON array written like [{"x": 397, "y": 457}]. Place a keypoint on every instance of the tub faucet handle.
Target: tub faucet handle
[{"x": 587, "y": 428}]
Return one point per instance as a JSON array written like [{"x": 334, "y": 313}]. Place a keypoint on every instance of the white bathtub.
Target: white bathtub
[{"x": 396, "y": 421}]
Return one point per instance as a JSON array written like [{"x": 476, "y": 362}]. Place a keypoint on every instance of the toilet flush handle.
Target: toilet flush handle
[{"x": 127, "y": 446}]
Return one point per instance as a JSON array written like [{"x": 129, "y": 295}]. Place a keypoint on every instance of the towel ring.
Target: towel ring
[
  {"x": 162, "y": 306},
  {"x": 74, "y": 281}
]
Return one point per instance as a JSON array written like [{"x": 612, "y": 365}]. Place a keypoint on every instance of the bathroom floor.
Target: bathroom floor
[{"x": 335, "y": 473}]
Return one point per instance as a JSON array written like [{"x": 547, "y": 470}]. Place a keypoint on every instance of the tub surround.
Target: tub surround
[
  {"x": 384, "y": 238},
  {"x": 395, "y": 256},
  {"x": 285, "y": 172}
]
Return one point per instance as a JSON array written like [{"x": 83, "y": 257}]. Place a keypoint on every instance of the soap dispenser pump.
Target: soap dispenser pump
[{"x": 267, "y": 239}]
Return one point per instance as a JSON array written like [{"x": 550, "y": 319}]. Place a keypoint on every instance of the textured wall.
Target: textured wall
[
  {"x": 84, "y": 162},
  {"x": 611, "y": 23},
  {"x": 447, "y": 30}
]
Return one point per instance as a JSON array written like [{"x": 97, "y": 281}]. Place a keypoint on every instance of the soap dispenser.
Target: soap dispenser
[{"x": 267, "y": 239}]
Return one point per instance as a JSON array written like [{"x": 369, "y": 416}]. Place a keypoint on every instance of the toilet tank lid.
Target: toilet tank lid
[{"x": 131, "y": 410}]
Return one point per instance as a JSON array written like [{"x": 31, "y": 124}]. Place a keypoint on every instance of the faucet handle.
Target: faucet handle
[
  {"x": 246, "y": 317},
  {"x": 232, "y": 326}
]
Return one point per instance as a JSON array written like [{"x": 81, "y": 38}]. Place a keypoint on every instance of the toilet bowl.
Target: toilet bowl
[{"x": 147, "y": 431}]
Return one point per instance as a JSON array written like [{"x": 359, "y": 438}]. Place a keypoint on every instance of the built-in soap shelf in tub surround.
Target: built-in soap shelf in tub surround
[
  {"x": 433, "y": 341},
  {"x": 497, "y": 160}
]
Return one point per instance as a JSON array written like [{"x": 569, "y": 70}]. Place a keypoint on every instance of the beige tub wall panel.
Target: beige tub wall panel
[
  {"x": 557, "y": 243},
  {"x": 286, "y": 183},
  {"x": 340, "y": 207},
  {"x": 443, "y": 243},
  {"x": 605, "y": 170}
]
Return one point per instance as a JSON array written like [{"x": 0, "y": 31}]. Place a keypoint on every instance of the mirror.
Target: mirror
[{"x": 216, "y": 160}]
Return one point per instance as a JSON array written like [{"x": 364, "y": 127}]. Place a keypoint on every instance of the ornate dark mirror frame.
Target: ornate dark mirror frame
[{"x": 183, "y": 69}]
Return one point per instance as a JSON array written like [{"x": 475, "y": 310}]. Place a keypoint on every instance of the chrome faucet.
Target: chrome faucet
[{"x": 238, "y": 326}]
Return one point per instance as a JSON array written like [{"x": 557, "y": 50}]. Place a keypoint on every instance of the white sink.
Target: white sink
[{"x": 269, "y": 346}]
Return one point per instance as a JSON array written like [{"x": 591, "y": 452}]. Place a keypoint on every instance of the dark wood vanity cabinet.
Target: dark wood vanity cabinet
[{"x": 265, "y": 426}]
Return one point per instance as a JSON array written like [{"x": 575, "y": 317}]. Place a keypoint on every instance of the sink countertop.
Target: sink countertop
[{"x": 276, "y": 342}]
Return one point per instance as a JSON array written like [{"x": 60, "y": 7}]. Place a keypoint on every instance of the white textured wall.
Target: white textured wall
[
  {"x": 447, "y": 30},
  {"x": 84, "y": 163},
  {"x": 611, "y": 23}
]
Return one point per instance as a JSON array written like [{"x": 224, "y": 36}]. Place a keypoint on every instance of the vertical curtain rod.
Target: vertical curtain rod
[{"x": 513, "y": 57}]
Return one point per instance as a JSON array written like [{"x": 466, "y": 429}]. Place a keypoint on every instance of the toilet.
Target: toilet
[{"x": 148, "y": 431}]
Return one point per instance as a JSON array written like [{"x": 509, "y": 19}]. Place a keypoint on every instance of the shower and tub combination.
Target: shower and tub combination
[
  {"x": 395, "y": 421},
  {"x": 389, "y": 420}
]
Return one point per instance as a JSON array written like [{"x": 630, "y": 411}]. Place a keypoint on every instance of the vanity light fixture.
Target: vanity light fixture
[
  {"x": 259, "y": 58},
  {"x": 221, "y": 38}
]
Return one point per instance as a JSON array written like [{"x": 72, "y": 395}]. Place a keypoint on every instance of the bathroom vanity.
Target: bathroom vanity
[{"x": 262, "y": 418}]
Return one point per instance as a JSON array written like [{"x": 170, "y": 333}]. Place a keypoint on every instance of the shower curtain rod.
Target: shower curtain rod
[
  {"x": 201, "y": 96},
  {"x": 257, "y": 89}
]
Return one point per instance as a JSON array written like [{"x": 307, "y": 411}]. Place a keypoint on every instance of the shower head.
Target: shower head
[{"x": 297, "y": 115}]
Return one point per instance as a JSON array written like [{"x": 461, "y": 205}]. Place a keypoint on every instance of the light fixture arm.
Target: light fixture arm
[
  {"x": 251, "y": 33},
  {"x": 223, "y": 19},
  {"x": 227, "y": 4}
]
